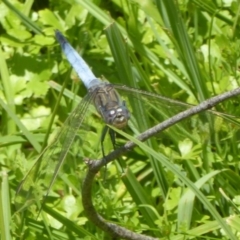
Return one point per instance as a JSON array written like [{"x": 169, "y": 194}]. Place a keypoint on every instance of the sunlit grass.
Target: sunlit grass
[{"x": 160, "y": 188}]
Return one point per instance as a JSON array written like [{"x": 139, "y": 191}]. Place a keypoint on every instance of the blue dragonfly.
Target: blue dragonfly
[
  {"x": 106, "y": 99},
  {"x": 109, "y": 105}
]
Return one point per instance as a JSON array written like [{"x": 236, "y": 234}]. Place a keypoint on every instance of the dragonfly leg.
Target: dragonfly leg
[
  {"x": 113, "y": 138},
  {"x": 104, "y": 132}
]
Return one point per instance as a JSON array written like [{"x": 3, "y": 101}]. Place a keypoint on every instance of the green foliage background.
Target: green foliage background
[{"x": 188, "y": 52}]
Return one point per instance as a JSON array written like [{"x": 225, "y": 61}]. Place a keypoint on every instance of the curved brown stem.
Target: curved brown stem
[{"x": 91, "y": 213}]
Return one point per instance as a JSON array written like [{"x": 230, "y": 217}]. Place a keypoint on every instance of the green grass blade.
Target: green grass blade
[
  {"x": 11, "y": 128},
  {"x": 26, "y": 21},
  {"x": 5, "y": 212},
  {"x": 120, "y": 53},
  {"x": 31, "y": 138},
  {"x": 173, "y": 21}
]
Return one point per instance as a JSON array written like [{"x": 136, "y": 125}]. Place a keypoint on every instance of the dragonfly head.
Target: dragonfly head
[{"x": 118, "y": 117}]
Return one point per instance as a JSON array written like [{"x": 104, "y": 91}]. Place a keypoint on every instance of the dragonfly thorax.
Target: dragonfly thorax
[{"x": 109, "y": 104}]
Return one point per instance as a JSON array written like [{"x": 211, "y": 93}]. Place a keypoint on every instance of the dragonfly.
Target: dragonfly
[
  {"x": 106, "y": 99},
  {"x": 110, "y": 106}
]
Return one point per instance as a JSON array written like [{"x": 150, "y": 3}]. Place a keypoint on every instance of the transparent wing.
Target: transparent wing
[
  {"x": 163, "y": 102},
  {"x": 148, "y": 109},
  {"x": 39, "y": 180}
]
